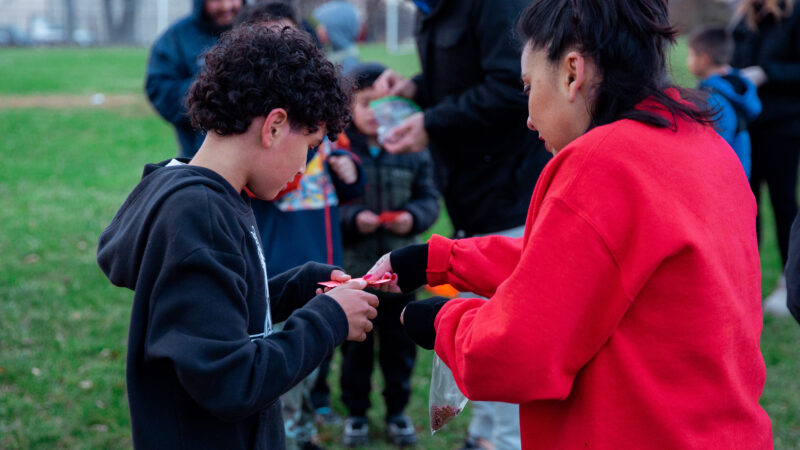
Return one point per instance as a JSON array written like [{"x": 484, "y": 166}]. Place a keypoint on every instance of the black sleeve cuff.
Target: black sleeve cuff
[
  {"x": 419, "y": 319},
  {"x": 410, "y": 264},
  {"x": 330, "y": 309}
]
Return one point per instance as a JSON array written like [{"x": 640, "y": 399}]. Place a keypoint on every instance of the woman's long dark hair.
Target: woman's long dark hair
[{"x": 628, "y": 40}]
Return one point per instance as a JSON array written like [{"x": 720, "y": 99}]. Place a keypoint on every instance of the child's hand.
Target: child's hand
[
  {"x": 367, "y": 222},
  {"x": 336, "y": 275},
  {"x": 345, "y": 168},
  {"x": 358, "y": 306},
  {"x": 402, "y": 224},
  {"x": 379, "y": 269}
]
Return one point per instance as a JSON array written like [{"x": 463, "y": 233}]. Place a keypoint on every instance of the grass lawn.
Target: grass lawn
[{"x": 63, "y": 327}]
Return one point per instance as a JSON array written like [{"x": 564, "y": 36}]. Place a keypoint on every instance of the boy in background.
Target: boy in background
[
  {"x": 400, "y": 202},
  {"x": 302, "y": 223},
  {"x": 205, "y": 369},
  {"x": 736, "y": 98}
]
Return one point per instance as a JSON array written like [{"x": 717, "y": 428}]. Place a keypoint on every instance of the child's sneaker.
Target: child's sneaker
[
  {"x": 775, "y": 303},
  {"x": 400, "y": 430},
  {"x": 356, "y": 431}
]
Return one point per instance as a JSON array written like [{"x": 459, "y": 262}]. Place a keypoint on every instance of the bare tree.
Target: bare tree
[{"x": 121, "y": 30}]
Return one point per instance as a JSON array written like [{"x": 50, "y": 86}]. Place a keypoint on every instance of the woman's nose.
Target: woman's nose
[{"x": 530, "y": 125}]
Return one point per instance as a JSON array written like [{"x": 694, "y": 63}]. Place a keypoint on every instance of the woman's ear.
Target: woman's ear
[
  {"x": 274, "y": 125},
  {"x": 574, "y": 64}
]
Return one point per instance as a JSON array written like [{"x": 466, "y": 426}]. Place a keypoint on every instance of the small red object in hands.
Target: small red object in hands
[
  {"x": 332, "y": 284},
  {"x": 389, "y": 216}
]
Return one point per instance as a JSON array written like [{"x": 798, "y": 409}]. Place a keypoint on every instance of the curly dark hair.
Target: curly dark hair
[{"x": 255, "y": 69}]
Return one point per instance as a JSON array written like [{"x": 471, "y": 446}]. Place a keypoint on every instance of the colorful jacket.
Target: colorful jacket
[{"x": 303, "y": 224}]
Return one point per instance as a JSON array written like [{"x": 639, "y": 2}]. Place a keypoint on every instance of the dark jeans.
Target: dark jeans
[
  {"x": 396, "y": 356},
  {"x": 775, "y": 162},
  {"x": 321, "y": 392}
]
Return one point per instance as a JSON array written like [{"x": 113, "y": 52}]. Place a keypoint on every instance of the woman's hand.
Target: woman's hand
[
  {"x": 421, "y": 317},
  {"x": 379, "y": 269}
]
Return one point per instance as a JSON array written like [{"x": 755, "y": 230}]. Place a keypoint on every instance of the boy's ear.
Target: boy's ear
[
  {"x": 574, "y": 68},
  {"x": 275, "y": 124}
]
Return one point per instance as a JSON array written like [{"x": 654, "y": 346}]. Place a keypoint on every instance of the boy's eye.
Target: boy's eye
[{"x": 526, "y": 89}]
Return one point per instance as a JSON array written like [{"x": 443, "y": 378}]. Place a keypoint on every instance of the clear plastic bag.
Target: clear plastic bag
[
  {"x": 390, "y": 112},
  {"x": 445, "y": 401}
]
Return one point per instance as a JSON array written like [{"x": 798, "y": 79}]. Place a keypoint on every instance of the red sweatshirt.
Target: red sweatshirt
[{"x": 629, "y": 314}]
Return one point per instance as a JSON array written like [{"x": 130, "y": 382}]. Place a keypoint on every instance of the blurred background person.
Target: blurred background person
[
  {"x": 338, "y": 25},
  {"x": 730, "y": 94},
  {"x": 767, "y": 38},
  {"x": 400, "y": 202},
  {"x": 177, "y": 57}
]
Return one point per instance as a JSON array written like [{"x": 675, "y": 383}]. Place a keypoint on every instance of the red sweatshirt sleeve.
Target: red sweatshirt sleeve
[
  {"x": 545, "y": 322},
  {"x": 476, "y": 265}
]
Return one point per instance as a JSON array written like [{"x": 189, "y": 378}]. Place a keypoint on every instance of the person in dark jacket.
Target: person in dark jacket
[
  {"x": 767, "y": 52},
  {"x": 401, "y": 201},
  {"x": 487, "y": 162},
  {"x": 177, "y": 57},
  {"x": 793, "y": 271},
  {"x": 205, "y": 369},
  {"x": 730, "y": 94}
]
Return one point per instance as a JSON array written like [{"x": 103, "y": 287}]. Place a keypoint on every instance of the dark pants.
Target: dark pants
[
  {"x": 321, "y": 392},
  {"x": 775, "y": 162},
  {"x": 396, "y": 356}
]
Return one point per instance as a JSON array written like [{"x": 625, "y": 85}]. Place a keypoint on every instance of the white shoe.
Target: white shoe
[{"x": 775, "y": 303}]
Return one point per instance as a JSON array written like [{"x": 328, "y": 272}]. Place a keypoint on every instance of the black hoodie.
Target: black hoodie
[{"x": 200, "y": 371}]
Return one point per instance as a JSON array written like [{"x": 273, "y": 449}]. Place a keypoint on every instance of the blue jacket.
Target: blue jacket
[
  {"x": 204, "y": 369},
  {"x": 303, "y": 225},
  {"x": 737, "y": 101},
  {"x": 175, "y": 60}
]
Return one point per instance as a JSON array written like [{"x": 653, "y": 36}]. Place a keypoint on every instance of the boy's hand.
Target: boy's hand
[
  {"x": 379, "y": 269},
  {"x": 408, "y": 137},
  {"x": 392, "y": 83},
  {"x": 367, "y": 222},
  {"x": 358, "y": 306},
  {"x": 402, "y": 224},
  {"x": 345, "y": 168}
]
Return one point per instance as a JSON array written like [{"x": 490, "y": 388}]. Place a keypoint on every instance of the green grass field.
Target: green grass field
[{"x": 63, "y": 327}]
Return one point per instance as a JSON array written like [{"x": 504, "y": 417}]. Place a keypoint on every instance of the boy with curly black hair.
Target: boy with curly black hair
[{"x": 204, "y": 368}]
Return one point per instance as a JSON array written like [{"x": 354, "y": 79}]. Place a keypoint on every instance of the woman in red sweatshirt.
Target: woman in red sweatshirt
[{"x": 628, "y": 316}]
